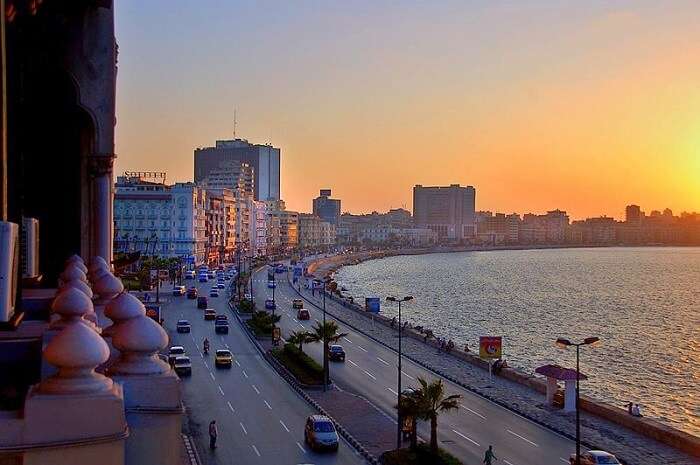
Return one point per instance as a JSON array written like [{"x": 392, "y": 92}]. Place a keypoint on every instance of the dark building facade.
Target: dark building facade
[{"x": 326, "y": 208}]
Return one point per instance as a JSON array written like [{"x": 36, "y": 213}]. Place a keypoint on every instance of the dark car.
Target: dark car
[
  {"x": 209, "y": 314},
  {"x": 221, "y": 327},
  {"x": 336, "y": 353},
  {"x": 202, "y": 302},
  {"x": 221, "y": 317},
  {"x": 270, "y": 304},
  {"x": 303, "y": 314},
  {"x": 182, "y": 366},
  {"x": 175, "y": 351},
  {"x": 183, "y": 326},
  {"x": 192, "y": 293}
]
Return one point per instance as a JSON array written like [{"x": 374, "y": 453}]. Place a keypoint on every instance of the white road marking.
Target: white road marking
[
  {"x": 231, "y": 407},
  {"x": 353, "y": 363},
  {"x": 238, "y": 364},
  {"x": 317, "y": 321},
  {"x": 221, "y": 391},
  {"x": 268, "y": 405},
  {"x": 392, "y": 391},
  {"x": 255, "y": 449},
  {"x": 206, "y": 364},
  {"x": 255, "y": 389},
  {"x": 245, "y": 374},
  {"x": 383, "y": 361},
  {"x": 563, "y": 460},
  {"x": 226, "y": 345},
  {"x": 284, "y": 426},
  {"x": 243, "y": 428},
  {"x": 472, "y": 411},
  {"x": 201, "y": 354},
  {"x": 301, "y": 447},
  {"x": 362, "y": 348},
  {"x": 524, "y": 439},
  {"x": 507, "y": 462},
  {"x": 407, "y": 375},
  {"x": 465, "y": 437},
  {"x": 370, "y": 375},
  {"x": 347, "y": 340},
  {"x": 212, "y": 376}
]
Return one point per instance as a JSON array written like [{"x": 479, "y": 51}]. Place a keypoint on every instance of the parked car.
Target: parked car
[
  {"x": 297, "y": 304},
  {"x": 209, "y": 314},
  {"x": 192, "y": 293},
  {"x": 319, "y": 433},
  {"x": 270, "y": 304},
  {"x": 174, "y": 352},
  {"x": 183, "y": 326},
  {"x": 595, "y": 457},
  {"x": 271, "y": 284},
  {"x": 179, "y": 290},
  {"x": 223, "y": 358},
  {"x": 182, "y": 366},
  {"x": 336, "y": 353},
  {"x": 303, "y": 314},
  {"x": 221, "y": 327},
  {"x": 202, "y": 302},
  {"x": 214, "y": 292}
]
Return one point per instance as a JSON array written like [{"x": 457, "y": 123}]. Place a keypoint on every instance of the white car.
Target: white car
[{"x": 595, "y": 457}]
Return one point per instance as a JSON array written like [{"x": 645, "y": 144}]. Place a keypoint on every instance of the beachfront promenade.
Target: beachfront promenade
[{"x": 371, "y": 372}]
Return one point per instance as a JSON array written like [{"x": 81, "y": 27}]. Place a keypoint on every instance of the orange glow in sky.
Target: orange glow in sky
[{"x": 539, "y": 105}]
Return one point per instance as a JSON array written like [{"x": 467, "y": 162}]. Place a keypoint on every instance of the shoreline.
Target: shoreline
[{"x": 652, "y": 428}]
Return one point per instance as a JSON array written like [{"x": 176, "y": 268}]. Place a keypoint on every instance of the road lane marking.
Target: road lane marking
[
  {"x": 268, "y": 405},
  {"x": 255, "y": 449},
  {"x": 206, "y": 364},
  {"x": 221, "y": 391},
  {"x": 238, "y": 364},
  {"x": 226, "y": 345},
  {"x": 243, "y": 428},
  {"x": 301, "y": 447},
  {"x": 465, "y": 437},
  {"x": 507, "y": 462},
  {"x": 407, "y": 375},
  {"x": 370, "y": 375},
  {"x": 563, "y": 460},
  {"x": 284, "y": 426},
  {"x": 245, "y": 374},
  {"x": 383, "y": 361},
  {"x": 231, "y": 407},
  {"x": 255, "y": 388},
  {"x": 347, "y": 340},
  {"x": 472, "y": 411},
  {"x": 524, "y": 439},
  {"x": 212, "y": 376},
  {"x": 392, "y": 391},
  {"x": 353, "y": 363},
  {"x": 362, "y": 348}
]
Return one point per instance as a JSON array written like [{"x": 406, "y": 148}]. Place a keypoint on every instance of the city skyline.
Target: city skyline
[{"x": 584, "y": 108}]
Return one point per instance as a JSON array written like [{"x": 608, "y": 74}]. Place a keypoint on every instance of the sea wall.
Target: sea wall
[{"x": 646, "y": 426}]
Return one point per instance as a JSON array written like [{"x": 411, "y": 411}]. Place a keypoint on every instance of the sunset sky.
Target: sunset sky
[{"x": 584, "y": 106}]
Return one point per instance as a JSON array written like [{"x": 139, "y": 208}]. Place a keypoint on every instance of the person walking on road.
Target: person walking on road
[
  {"x": 489, "y": 456},
  {"x": 213, "y": 433}
]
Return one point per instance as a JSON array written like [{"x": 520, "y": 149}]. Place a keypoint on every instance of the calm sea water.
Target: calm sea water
[{"x": 643, "y": 303}]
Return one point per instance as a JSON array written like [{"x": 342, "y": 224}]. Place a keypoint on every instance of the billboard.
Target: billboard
[
  {"x": 372, "y": 304},
  {"x": 490, "y": 346},
  {"x": 153, "y": 311}
]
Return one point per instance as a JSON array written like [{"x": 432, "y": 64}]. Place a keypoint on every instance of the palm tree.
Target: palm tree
[
  {"x": 409, "y": 407},
  {"x": 326, "y": 333},
  {"x": 432, "y": 401},
  {"x": 301, "y": 338}
]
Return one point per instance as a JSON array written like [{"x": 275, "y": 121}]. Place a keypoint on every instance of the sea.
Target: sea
[{"x": 643, "y": 303}]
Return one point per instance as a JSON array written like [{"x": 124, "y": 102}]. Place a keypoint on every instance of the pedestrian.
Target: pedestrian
[
  {"x": 489, "y": 456},
  {"x": 466, "y": 347},
  {"x": 629, "y": 408},
  {"x": 636, "y": 410},
  {"x": 213, "y": 433}
]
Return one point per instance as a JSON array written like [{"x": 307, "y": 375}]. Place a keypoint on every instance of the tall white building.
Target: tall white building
[
  {"x": 258, "y": 228},
  {"x": 156, "y": 219}
]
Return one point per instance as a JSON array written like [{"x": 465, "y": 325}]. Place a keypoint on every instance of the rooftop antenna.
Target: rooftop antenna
[{"x": 235, "y": 122}]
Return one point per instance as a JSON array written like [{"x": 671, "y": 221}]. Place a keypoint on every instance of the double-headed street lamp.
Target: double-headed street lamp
[
  {"x": 565, "y": 343},
  {"x": 326, "y": 280},
  {"x": 398, "y": 392}
]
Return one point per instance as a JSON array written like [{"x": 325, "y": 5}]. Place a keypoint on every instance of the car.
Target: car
[
  {"x": 270, "y": 304},
  {"x": 595, "y": 457},
  {"x": 221, "y": 327},
  {"x": 211, "y": 275},
  {"x": 182, "y": 365},
  {"x": 223, "y": 358},
  {"x": 320, "y": 433},
  {"x": 221, "y": 317},
  {"x": 178, "y": 290},
  {"x": 336, "y": 353},
  {"x": 189, "y": 274},
  {"x": 202, "y": 302},
  {"x": 271, "y": 284},
  {"x": 303, "y": 314},
  {"x": 280, "y": 269},
  {"x": 221, "y": 285},
  {"x": 248, "y": 296},
  {"x": 174, "y": 352},
  {"x": 297, "y": 304},
  {"x": 214, "y": 292},
  {"x": 183, "y": 326},
  {"x": 192, "y": 293},
  {"x": 203, "y": 278},
  {"x": 209, "y": 314},
  {"x": 227, "y": 277}
]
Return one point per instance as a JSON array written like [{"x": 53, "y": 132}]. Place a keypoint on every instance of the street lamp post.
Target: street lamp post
[
  {"x": 398, "y": 391},
  {"x": 564, "y": 343}
]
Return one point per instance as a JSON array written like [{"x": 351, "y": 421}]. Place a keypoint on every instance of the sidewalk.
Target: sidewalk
[{"x": 627, "y": 445}]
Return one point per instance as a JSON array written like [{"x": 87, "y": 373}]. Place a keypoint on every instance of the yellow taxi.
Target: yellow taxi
[{"x": 223, "y": 358}]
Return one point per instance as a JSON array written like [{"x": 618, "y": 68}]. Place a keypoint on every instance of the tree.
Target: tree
[
  {"x": 301, "y": 338},
  {"x": 431, "y": 400},
  {"x": 409, "y": 407},
  {"x": 326, "y": 333}
]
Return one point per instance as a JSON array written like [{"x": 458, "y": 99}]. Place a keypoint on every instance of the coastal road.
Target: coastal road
[
  {"x": 259, "y": 417},
  {"x": 370, "y": 370}
]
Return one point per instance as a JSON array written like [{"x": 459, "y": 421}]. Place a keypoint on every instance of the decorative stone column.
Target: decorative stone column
[
  {"x": 98, "y": 267},
  {"x": 100, "y": 170},
  {"x": 77, "y": 260},
  {"x": 72, "y": 272},
  {"x": 122, "y": 308},
  {"x": 107, "y": 287},
  {"x": 77, "y": 284},
  {"x": 71, "y": 305}
]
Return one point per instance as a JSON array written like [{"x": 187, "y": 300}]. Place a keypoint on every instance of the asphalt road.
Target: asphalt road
[
  {"x": 370, "y": 370},
  {"x": 259, "y": 417}
]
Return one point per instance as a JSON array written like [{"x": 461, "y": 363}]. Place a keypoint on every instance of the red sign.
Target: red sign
[{"x": 490, "y": 346}]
